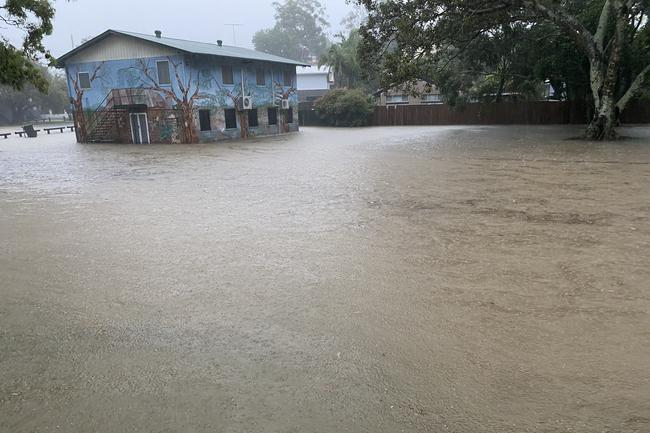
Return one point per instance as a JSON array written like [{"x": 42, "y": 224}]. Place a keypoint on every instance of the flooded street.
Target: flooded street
[{"x": 415, "y": 279}]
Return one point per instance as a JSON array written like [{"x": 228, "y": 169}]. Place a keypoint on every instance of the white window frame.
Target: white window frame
[
  {"x": 438, "y": 99},
  {"x": 158, "y": 62},
  {"x": 90, "y": 84},
  {"x": 404, "y": 99}
]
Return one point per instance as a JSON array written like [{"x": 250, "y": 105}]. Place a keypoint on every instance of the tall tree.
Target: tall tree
[
  {"x": 420, "y": 39},
  {"x": 19, "y": 106},
  {"x": 18, "y": 65},
  {"x": 343, "y": 59},
  {"x": 298, "y": 33}
]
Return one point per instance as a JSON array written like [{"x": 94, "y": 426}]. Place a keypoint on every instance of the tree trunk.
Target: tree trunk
[
  {"x": 605, "y": 76},
  {"x": 80, "y": 122},
  {"x": 603, "y": 124},
  {"x": 243, "y": 124},
  {"x": 189, "y": 135}
]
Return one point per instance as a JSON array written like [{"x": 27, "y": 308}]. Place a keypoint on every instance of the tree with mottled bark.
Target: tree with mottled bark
[{"x": 419, "y": 39}]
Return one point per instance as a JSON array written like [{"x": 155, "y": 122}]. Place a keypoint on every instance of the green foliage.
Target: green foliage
[
  {"x": 19, "y": 106},
  {"x": 18, "y": 65},
  {"x": 299, "y": 30},
  {"x": 342, "y": 107},
  {"x": 343, "y": 58},
  {"x": 479, "y": 49}
]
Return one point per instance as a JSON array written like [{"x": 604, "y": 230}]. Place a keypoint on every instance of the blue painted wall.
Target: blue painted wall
[{"x": 202, "y": 71}]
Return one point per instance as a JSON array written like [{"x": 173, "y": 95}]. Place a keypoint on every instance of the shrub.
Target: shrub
[{"x": 343, "y": 107}]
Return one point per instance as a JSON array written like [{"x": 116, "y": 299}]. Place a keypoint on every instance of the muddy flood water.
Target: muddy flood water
[{"x": 424, "y": 279}]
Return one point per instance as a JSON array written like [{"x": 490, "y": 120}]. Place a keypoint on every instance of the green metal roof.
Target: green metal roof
[{"x": 191, "y": 47}]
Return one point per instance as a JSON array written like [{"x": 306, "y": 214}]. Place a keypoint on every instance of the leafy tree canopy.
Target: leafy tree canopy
[
  {"x": 299, "y": 31},
  {"x": 343, "y": 59},
  {"x": 18, "y": 64},
  {"x": 19, "y": 106},
  {"x": 599, "y": 48}
]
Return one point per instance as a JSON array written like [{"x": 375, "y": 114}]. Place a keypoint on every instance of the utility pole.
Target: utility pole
[{"x": 234, "y": 36}]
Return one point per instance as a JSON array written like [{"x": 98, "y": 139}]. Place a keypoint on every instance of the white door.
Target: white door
[{"x": 139, "y": 128}]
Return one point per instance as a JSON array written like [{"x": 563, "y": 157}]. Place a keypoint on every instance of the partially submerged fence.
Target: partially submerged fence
[{"x": 502, "y": 113}]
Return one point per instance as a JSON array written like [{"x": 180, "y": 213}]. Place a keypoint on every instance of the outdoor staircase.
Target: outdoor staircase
[
  {"x": 102, "y": 124},
  {"x": 103, "y": 127}
]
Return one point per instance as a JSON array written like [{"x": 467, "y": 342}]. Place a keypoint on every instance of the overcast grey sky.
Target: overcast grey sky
[{"x": 201, "y": 20}]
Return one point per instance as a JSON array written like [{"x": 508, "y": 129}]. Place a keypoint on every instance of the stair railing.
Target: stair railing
[{"x": 99, "y": 114}]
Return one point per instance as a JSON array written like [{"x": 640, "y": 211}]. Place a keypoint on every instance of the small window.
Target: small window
[
  {"x": 287, "y": 78},
  {"x": 397, "y": 99},
  {"x": 290, "y": 115},
  {"x": 259, "y": 77},
  {"x": 252, "y": 118},
  {"x": 273, "y": 116},
  {"x": 226, "y": 74},
  {"x": 204, "y": 120},
  {"x": 163, "y": 72},
  {"x": 84, "y": 80},
  {"x": 431, "y": 98},
  {"x": 231, "y": 118}
]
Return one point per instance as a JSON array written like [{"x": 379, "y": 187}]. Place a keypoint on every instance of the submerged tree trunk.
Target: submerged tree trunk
[
  {"x": 80, "y": 121},
  {"x": 243, "y": 123},
  {"x": 604, "y": 122},
  {"x": 189, "y": 132}
]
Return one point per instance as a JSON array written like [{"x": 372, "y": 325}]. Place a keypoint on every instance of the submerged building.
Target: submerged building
[{"x": 134, "y": 88}]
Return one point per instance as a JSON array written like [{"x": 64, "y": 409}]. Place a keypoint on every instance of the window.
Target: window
[
  {"x": 259, "y": 77},
  {"x": 84, "y": 80},
  {"x": 273, "y": 116},
  {"x": 287, "y": 78},
  {"x": 163, "y": 72},
  {"x": 290, "y": 115},
  {"x": 204, "y": 120},
  {"x": 252, "y": 118},
  {"x": 231, "y": 118},
  {"x": 397, "y": 99},
  {"x": 432, "y": 98},
  {"x": 226, "y": 74}
]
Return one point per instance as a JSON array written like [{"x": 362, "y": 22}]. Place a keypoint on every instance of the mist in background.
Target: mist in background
[{"x": 198, "y": 20}]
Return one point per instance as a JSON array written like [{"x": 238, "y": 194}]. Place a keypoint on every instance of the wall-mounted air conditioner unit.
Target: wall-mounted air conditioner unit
[
  {"x": 247, "y": 103},
  {"x": 285, "y": 104}
]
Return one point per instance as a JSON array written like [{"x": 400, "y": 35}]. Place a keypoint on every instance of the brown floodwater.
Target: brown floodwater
[{"x": 414, "y": 279}]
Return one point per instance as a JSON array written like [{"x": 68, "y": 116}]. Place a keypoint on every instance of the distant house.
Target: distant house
[
  {"x": 401, "y": 96},
  {"x": 135, "y": 88},
  {"x": 313, "y": 82}
]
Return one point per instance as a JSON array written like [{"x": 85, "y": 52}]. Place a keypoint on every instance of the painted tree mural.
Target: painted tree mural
[
  {"x": 184, "y": 101},
  {"x": 235, "y": 95},
  {"x": 77, "y": 100},
  {"x": 282, "y": 93}
]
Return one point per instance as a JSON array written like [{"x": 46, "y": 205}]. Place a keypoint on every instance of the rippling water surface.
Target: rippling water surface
[{"x": 423, "y": 279}]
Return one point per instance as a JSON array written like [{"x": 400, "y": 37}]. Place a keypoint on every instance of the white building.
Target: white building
[{"x": 313, "y": 82}]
